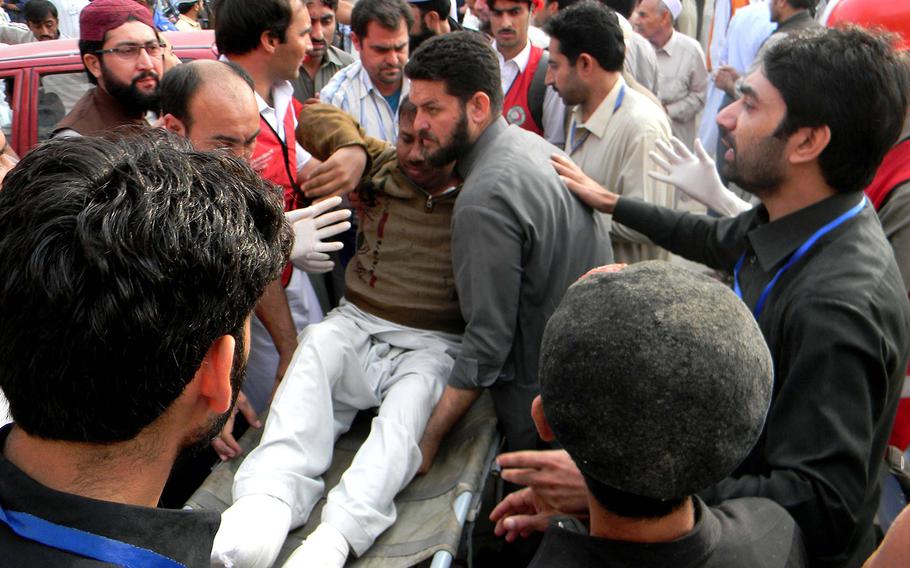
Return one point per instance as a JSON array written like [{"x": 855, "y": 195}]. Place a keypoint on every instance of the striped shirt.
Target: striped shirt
[{"x": 352, "y": 91}]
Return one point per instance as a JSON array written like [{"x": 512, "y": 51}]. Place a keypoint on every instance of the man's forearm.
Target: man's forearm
[
  {"x": 275, "y": 314},
  {"x": 453, "y": 404}
]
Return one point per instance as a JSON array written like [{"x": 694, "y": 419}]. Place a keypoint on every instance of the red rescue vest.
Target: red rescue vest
[
  {"x": 282, "y": 168},
  {"x": 894, "y": 171},
  {"x": 515, "y": 107}
]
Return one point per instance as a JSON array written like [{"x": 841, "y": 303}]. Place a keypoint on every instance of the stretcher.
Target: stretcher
[{"x": 435, "y": 511}]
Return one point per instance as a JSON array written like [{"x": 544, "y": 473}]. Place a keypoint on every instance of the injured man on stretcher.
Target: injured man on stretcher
[{"x": 390, "y": 344}]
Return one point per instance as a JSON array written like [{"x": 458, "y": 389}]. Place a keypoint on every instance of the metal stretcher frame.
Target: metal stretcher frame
[{"x": 435, "y": 512}]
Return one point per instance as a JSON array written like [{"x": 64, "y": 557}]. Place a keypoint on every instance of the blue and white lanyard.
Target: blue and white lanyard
[
  {"x": 800, "y": 252},
  {"x": 85, "y": 544},
  {"x": 573, "y": 146}
]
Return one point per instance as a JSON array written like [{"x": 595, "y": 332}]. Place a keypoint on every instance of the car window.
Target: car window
[
  {"x": 6, "y": 108},
  {"x": 57, "y": 94}
]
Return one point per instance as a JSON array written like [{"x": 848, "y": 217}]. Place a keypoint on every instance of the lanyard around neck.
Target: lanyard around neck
[
  {"x": 575, "y": 146},
  {"x": 800, "y": 252},
  {"x": 82, "y": 543}
]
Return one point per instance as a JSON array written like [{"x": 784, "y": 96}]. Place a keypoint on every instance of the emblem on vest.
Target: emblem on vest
[{"x": 516, "y": 115}]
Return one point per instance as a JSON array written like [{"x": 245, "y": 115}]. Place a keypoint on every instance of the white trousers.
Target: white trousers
[
  {"x": 349, "y": 362},
  {"x": 262, "y": 363}
]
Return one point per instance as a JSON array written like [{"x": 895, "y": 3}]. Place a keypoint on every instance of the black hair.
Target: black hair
[
  {"x": 387, "y": 13},
  {"x": 622, "y": 7},
  {"x": 179, "y": 85},
  {"x": 803, "y": 4},
  {"x": 628, "y": 505},
  {"x": 592, "y": 28},
  {"x": 239, "y": 23},
  {"x": 124, "y": 260},
  {"x": 38, "y": 10},
  {"x": 330, "y": 4},
  {"x": 186, "y": 7},
  {"x": 851, "y": 80},
  {"x": 530, "y": 3},
  {"x": 441, "y": 7},
  {"x": 463, "y": 61},
  {"x": 406, "y": 109}
]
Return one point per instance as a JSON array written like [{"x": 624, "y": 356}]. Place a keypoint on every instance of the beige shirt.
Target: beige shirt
[
  {"x": 187, "y": 24},
  {"x": 612, "y": 147},
  {"x": 682, "y": 84}
]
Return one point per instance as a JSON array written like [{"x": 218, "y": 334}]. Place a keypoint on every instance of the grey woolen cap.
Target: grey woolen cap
[{"x": 656, "y": 380}]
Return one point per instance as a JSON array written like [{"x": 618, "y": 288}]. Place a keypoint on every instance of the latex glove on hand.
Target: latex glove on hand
[
  {"x": 696, "y": 176},
  {"x": 312, "y": 225},
  {"x": 252, "y": 532}
]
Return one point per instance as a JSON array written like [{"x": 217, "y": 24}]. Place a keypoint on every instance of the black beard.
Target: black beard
[
  {"x": 455, "y": 149},
  {"x": 135, "y": 102}
]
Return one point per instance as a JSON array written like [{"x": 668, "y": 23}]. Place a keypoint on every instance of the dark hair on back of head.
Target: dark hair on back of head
[
  {"x": 851, "y": 80},
  {"x": 803, "y": 4},
  {"x": 38, "y": 10},
  {"x": 239, "y": 23},
  {"x": 530, "y": 3},
  {"x": 441, "y": 7},
  {"x": 589, "y": 27},
  {"x": 463, "y": 61},
  {"x": 124, "y": 260},
  {"x": 622, "y": 7},
  {"x": 386, "y": 13},
  {"x": 179, "y": 85}
]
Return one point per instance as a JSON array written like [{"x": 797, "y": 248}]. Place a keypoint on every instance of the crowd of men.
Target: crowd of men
[{"x": 717, "y": 388}]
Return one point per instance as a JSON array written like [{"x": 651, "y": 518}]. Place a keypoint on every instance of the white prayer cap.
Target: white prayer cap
[{"x": 675, "y": 7}]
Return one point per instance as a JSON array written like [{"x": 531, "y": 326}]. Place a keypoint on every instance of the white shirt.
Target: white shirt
[
  {"x": 640, "y": 61},
  {"x": 352, "y": 90},
  {"x": 281, "y": 97},
  {"x": 683, "y": 84},
  {"x": 68, "y": 15},
  {"x": 612, "y": 148},
  {"x": 748, "y": 30},
  {"x": 554, "y": 110}
]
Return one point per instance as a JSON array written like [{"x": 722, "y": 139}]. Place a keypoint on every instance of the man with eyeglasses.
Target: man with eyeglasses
[{"x": 122, "y": 54}]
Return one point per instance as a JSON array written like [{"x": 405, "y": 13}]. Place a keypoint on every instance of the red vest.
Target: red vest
[
  {"x": 515, "y": 106},
  {"x": 894, "y": 171},
  {"x": 282, "y": 168}
]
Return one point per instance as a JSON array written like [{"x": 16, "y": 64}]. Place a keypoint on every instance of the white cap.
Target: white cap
[{"x": 675, "y": 7}]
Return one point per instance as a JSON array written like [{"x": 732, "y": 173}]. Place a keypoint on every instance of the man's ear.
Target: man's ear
[
  {"x": 478, "y": 107},
  {"x": 355, "y": 40},
  {"x": 93, "y": 63},
  {"x": 808, "y": 142},
  {"x": 584, "y": 64},
  {"x": 268, "y": 41},
  {"x": 173, "y": 124},
  {"x": 431, "y": 20},
  {"x": 540, "y": 420},
  {"x": 214, "y": 374}
]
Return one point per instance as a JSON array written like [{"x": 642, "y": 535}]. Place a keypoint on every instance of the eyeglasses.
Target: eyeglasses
[{"x": 131, "y": 51}]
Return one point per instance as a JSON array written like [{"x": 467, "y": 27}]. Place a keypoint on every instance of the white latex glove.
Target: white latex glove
[
  {"x": 313, "y": 224},
  {"x": 696, "y": 176},
  {"x": 251, "y": 533},
  {"x": 326, "y": 547}
]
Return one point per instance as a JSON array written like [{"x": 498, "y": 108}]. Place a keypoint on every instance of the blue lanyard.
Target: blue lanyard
[
  {"x": 572, "y": 144},
  {"x": 800, "y": 252},
  {"x": 86, "y": 544}
]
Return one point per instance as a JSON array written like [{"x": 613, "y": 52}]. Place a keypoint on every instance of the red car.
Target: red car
[{"x": 43, "y": 80}]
